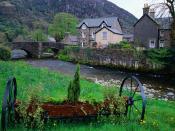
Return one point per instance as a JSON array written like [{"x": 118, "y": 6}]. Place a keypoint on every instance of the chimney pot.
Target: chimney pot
[
  {"x": 146, "y": 9},
  {"x": 146, "y": 5},
  {"x": 152, "y": 13}
]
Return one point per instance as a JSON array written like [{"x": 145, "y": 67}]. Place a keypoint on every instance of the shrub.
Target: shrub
[
  {"x": 30, "y": 110},
  {"x": 74, "y": 87},
  {"x": 116, "y": 46},
  {"x": 121, "y": 45},
  {"x": 64, "y": 54},
  {"x": 5, "y": 53},
  {"x": 125, "y": 45}
]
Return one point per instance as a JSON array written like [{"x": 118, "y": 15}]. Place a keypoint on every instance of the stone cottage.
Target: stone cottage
[
  {"x": 100, "y": 32},
  {"x": 152, "y": 32}
]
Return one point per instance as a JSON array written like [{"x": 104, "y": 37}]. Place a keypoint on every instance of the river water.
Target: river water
[{"x": 160, "y": 87}]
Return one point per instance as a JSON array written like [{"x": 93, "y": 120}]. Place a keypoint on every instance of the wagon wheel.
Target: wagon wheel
[
  {"x": 132, "y": 89},
  {"x": 8, "y": 104}
]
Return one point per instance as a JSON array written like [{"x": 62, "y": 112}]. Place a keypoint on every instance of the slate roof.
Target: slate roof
[
  {"x": 115, "y": 31},
  {"x": 96, "y": 22},
  {"x": 165, "y": 23},
  {"x": 73, "y": 38},
  {"x": 6, "y": 4},
  {"x": 128, "y": 35}
]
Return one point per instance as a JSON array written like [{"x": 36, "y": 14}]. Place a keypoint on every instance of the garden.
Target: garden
[{"x": 42, "y": 85}]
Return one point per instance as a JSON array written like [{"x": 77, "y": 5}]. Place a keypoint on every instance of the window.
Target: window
[
  {"x": 82, "y": 44},
  {"x": 83, "y": 27},
  {"x": 83, "y": 35},
  {"x": 93, "y": 36},
  {"x": 152, "y": 43},
  {"x": 161, "y": 43},
  {"x": 161, "y": 33},
  {"x": 104, "y": 35},
  {"x": 103, "y": 25}
]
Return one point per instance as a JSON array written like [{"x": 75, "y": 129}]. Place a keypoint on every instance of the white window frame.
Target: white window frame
[
  {"x": 104, "y": 35},
  {"x": 161, "y": 33},
  {"x": 152, "y": 43},
  {"x": 83, "y": 27},
  {"x": 161, "y": 43},
  {"x": 93, "y": 35},
  {"x": 103, "y": 25},
  {"x": 82, "y": 44},
  {"x": 83, "y": 35}
]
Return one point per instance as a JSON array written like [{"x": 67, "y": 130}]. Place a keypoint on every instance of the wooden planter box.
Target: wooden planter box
[
  {"x": 68, "y": 110},
  {"x": 65, "y": 110}
]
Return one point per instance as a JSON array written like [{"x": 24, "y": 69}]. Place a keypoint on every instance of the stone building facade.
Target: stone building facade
[
  {"x": 88, "y": 28},
  {"x": 152, "y": 32}
]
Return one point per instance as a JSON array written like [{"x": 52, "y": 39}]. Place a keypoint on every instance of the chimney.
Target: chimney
[
  {"x": 152, "y": 13},
  {"x": 146, "y": 9},
  {"x": 67, "y": 34}
]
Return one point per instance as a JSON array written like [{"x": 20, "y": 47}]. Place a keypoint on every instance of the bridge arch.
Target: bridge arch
[
  {"x": 51, "y": 50},
  {"x": 36, "y": 49},
  {"x": 29, "y": 54},
  {"x": 20, "y": 53}
]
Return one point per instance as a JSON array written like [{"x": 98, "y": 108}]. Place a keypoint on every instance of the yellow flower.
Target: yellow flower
[{"x": 142, "y": 122}]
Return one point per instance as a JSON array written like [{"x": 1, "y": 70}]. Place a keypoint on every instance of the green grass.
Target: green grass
[
  {"x": 160, "y": 115},
  {"x": 54, "y": 85}
]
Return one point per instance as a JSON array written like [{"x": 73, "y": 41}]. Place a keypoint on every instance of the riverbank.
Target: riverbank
[
  {"x": 160, "y": 115},
  {"x": 159, "y": 87},
  {"x": 152, "y": 62}
]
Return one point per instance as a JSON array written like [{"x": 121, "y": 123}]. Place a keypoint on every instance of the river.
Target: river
[{"x": 159, "y": 87}]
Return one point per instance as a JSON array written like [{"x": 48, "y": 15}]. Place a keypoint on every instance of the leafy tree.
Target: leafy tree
[
  {"x": 5, "y": 53},
  {"x": 62, "y": 23},
  {"x": 160, "y": 56},
  {"x": 74, "y": 87},
  {"x": 2, "y": 37},
  {"x": 40, "y": 24},
  {"x": 23, "y": 35},
  {"x": 10, "y": 34},
  {"x": 38, "y": 35}
]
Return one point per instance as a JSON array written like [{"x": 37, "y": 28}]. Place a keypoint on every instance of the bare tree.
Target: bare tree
[
  {"x": 171, "y": 6},
  {"x": 164, "y": 7}
]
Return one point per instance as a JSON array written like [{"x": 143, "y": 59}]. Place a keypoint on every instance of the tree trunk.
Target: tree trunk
[
  {"x": 173, "y": 34},
  {"x": 170, "y": 4}
]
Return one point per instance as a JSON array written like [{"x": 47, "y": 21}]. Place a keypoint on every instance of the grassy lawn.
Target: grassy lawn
[{"x": 160, "y": 115}]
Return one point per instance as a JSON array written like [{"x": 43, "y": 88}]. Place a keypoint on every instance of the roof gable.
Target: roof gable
[
  {"x": 146, "y": 15},
  {"x": 163, "y": 23},
  {"x": 115, "y": 31},
  {"x": 96, "y": 22},
  {"x": 82, "y": 25},
  {"x": 103, "y": 22}
]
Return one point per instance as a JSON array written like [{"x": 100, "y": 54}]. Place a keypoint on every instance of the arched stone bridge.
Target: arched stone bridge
[{"x": 36, "y": 49}]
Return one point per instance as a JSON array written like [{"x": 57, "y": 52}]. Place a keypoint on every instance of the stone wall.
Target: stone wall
[
  {"x": 115, "y": 58},
  {"x": 36, "y": 49}
]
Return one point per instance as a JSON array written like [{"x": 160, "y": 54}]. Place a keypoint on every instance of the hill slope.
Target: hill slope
[{"x": 24, "y": 12}]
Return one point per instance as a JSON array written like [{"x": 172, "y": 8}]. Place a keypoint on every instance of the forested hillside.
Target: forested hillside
[{"x": 18, "y": 16}]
